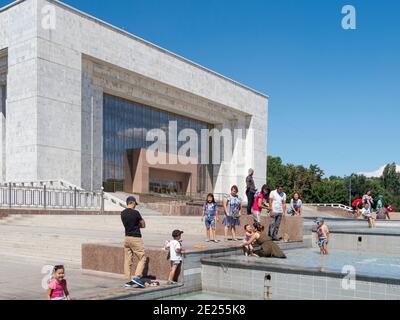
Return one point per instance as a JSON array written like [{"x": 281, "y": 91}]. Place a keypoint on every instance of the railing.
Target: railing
[
  {"x": 12, "y": 196},
  {"x": 56, "y": 184},
  {"x": 198, "y": 196},
  {"x": 113, "y": 199},
  {"x": 331, "y": 205}
]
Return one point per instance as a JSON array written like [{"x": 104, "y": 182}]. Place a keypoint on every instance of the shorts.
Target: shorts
[
  {"x": 230, "y": 221},
  {"x": 176, "y": 262},
  {"x": 322, "y": 242},
  {"x": 210, "y": 223},
  {"x": 256, "y": 215},
  {"x": 246, "y": 239}
]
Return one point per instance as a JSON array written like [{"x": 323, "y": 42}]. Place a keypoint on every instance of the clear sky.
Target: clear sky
[{"x": 334, "y": 93}]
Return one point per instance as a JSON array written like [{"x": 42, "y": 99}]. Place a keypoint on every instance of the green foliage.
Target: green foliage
[
  {"x": 390, "y": 179},
  {"x": 314, "y": 188}
]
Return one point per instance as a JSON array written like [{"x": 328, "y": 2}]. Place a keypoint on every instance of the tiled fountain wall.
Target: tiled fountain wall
[{"x": 294, "y": 285}]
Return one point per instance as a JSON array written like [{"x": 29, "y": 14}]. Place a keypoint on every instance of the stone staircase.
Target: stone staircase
[
  {"x": 60, "y": 237},
  {"x": 114, "y": 202},
  {"x": 155, "y": 224}
]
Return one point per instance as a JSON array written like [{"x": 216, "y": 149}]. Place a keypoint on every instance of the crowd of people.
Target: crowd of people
[
  {"x": 371, "y": 210},
  {"x": 272, "y": 201}
]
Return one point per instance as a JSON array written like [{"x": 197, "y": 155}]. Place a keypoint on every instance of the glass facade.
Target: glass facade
[
  {"x": 165, "y": 186},
  {"x": 125, "y": 125}
]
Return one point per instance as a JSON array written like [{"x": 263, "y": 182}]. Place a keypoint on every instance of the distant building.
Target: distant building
[{"x": 79, "y": 95}]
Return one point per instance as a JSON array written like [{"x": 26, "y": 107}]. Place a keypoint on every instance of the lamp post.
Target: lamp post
[
  {"x": 102, "y": 200},
  {"x": 350, "y": 189},
  {"x": 350, "y": 193}
]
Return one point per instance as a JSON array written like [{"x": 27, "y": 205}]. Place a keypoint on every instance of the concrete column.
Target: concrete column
[
  {"x": 256, "y": 147},
  {"x": 59, "y": 74},
  {"x": 233, "y": 171},
  {"x": 2, "y": 129},
  {"x": 92, "y": 130},
  {"x": 19, "y": 37},
  {"x": 223, "y": 173},
  {"x": 21, "y": 118},
  {"x": 241, "y": 157}
]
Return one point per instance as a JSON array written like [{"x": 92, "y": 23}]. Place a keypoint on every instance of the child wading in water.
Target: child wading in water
[
  {"x": 323, "y": 237},
  {"x": 248, "y": 249},
  {"x": 175, "y": 254},
  {"x": 210, "y": 211},
  {"x": 57, "y": 287}
]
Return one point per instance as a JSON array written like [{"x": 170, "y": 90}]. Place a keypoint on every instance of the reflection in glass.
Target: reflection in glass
[{"x": 125, "y": 124}]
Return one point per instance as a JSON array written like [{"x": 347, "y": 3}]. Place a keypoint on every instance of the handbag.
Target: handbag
[{"x": 236, "y": 215}]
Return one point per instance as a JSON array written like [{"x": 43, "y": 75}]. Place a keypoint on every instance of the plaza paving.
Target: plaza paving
[
  {"x": 21, "y": 278},
  {"x": 60, "y": 237},
  {"x": 27, "y": 243}
]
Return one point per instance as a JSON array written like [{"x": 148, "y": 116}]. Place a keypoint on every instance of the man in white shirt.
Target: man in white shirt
[
  {"x": 277, "y": 203},
  {"x": 366, "y": 213}
]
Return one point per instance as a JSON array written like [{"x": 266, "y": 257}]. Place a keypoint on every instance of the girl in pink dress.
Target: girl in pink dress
[
  {"x": 57, "y": 287},
  {"x": 260, "y": 203}
]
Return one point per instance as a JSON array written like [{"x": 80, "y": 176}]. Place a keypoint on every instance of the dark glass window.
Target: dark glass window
[
  {"x": 125, "y": 125},
  {"x": 3, "y": 100}
]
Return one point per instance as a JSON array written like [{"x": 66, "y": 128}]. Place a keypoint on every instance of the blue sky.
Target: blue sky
[{"x": 334, "y": 93}]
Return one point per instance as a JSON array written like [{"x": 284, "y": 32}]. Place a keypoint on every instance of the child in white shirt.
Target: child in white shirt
[
  {"x": 366, "y": 213},
  {"x": 175, "y": 254}
]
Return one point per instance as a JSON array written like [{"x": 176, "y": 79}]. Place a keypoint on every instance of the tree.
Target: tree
[
  {"x": 390, "y": 179},
  {"x": 314, "y": 188}
]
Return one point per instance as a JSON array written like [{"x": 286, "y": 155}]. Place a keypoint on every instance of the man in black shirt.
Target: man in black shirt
[{"x": 133, "y": 244}]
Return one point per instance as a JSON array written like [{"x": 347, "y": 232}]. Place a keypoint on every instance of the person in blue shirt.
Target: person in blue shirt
[{"x": 210, "y": 213}]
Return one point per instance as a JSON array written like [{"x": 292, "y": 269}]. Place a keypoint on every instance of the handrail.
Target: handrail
[
  {"x": 35, "y": 197},
  {"x": 188, "y": 196},
  {"x": 62, "y": 184},
  {"x": 331, "y": 205},
  {"x": 115, "y": 200}
]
